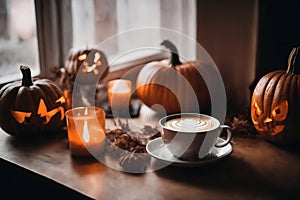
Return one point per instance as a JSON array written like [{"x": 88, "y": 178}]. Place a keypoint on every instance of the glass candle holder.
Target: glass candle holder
[
  {"x": 119, "y": 94},
  {"x": 86, "y": 130}
]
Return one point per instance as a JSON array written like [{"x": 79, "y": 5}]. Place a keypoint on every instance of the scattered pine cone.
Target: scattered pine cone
[{"x": 241, "y": 126}]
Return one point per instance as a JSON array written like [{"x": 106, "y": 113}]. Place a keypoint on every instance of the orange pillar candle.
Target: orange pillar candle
[
  {"x": 119, "y": 94},
  {"x": 86, "y": 130}
]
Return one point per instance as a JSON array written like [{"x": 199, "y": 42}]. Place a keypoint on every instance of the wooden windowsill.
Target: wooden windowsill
[{"x": 117, "y": 70}]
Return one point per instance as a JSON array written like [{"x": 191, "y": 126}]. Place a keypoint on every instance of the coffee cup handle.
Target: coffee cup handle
[{"x": 228, "y": 138}]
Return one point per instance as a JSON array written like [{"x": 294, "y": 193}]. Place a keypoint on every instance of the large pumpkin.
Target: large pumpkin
[
  {"x": 177, "y": 86},
  {"x": 30, "y": 107},
  {"x": 275, "y": 104},
  {"x": 86, "y": 65}
]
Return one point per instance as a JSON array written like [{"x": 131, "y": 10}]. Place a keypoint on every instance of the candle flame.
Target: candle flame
[
  {"x": 86, "y": 135},
  {"x": 85, "y": 112}
]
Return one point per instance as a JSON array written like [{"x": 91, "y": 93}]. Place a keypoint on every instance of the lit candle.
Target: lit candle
[
  {"x": 86, "y": 130},
  {"x": 119, "y": 94}
]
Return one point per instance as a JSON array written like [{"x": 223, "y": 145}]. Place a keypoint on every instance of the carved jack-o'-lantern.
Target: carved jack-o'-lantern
[
  {"x": 275, "y": 104},
  {"x": 86, "y": 68},
  {"x": 86, "y": 65},
  {"x": 31, "y": 107}
]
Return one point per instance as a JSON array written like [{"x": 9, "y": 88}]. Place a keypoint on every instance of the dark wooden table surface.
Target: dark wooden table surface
[{"x": 44, "y": 168}]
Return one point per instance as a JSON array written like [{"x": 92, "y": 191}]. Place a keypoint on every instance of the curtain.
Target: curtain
[{"x": 54, "y": 29}]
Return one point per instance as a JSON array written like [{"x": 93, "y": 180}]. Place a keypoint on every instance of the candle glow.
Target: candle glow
[
  {"x": 119, "y": 94},
  {"x": 86, "y": 130}
]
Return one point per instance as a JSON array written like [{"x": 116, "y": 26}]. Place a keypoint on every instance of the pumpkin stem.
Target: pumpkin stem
[
  {"x": 26, "y": 80},
  {"x": 174, "y": 53},
  {"x": 292, "y": 60}
]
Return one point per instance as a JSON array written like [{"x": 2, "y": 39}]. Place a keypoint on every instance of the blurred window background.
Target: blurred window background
[
  {"x": 40, "y": 33},
  {"x": 18, "y": 38}
]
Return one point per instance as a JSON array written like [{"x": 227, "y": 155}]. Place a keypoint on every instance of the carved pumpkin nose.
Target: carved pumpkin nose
[{"x": 267, "y": 120}]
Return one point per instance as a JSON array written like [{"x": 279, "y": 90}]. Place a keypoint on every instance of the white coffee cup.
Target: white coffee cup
[{"x": 191, "y": 136}]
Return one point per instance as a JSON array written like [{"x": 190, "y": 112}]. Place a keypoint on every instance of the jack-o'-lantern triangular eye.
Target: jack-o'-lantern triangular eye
[
  {"x": 20, "y": 116},
  {"x": 43, "y": 111},
  {"x": 257, "y": 109},
  {"x": 280, "y": 112},
  {"x": 255, "y": 112}
]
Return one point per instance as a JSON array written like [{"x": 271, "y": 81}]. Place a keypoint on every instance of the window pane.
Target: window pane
[
  {"x": 111, "y": 24},
  {"x": 18, "y": 40}
]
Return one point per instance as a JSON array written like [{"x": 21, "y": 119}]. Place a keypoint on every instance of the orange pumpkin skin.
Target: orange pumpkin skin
[
  {"x": 177, "y": 87},
  {"x": 275, "y": 106},
  {"x": 29, "y": 107},
  {"x": 86, "y": 65}
]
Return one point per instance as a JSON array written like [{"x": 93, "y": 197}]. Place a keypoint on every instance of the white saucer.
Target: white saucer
[{"x": 157, "y": 149}]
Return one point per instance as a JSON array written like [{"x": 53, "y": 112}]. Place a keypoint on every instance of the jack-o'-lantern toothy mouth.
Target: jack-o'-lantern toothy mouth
[
  {"x": 270, "y": 128},
  {"x": 43, "y": 112}
]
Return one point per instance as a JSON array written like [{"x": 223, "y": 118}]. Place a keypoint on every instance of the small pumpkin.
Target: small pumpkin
[
  {"x": 176, "y": 86},
  {"x": 86, "y": 65},
  {"x": 275, "y": 104},
  {"x": 30, "y": 107}
]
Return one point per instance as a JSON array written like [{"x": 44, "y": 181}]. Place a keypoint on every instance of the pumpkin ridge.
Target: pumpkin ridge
[
  {"x": 47, "y": 95},
  {"x": 269, "y": 93},
  {"x": 290, "y": 90},
  {"x": 175, "y": 88},
  {"x": 10, "y": 87},
  {"x": 5, "y": 99},
  {"x": 293, "y": 92},
  {"x": 4, "y": 88},
  {"x": 23, "y": 93},
  {"x": 37, "y": 93},
  {"x": 281, "y": 89},
  {"x": 288, "y": 86},
  {"x": 204, "y": 106},
  {"x": 50, "y": 93},
  {"x": 261, "y": 88},
  {"x": 52, "y": 86}
]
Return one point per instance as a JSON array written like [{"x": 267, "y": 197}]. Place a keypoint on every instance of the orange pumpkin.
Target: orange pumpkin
[
  {"x": 275, "y": 104},
  {"x": 177, "y": 86}
]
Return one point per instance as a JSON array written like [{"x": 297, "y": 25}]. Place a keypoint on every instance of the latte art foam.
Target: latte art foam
[{"x": 190, "y": 124}]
